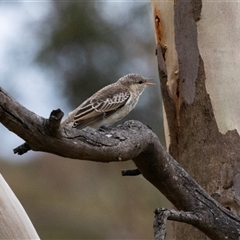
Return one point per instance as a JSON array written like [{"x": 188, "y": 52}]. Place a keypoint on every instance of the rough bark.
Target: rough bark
[
  {"x": 201, "y": 135},
  {"x": 132, "y": 140}
]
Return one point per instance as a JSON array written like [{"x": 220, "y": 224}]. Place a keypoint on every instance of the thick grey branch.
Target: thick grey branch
[{"x": 132, "y": 140}]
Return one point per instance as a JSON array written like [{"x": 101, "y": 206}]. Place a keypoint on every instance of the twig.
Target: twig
[{"x": 131, "y": 172}]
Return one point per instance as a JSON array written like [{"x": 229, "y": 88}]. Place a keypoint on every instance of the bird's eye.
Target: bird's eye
[{"x": 140, "y": 82}]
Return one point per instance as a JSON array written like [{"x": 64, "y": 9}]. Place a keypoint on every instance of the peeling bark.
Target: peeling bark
[{"x": 202, "y": 109}]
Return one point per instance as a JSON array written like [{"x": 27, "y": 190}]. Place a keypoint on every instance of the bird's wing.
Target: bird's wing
[
  {"x": 100, "y": 104},
  {"x": 80, "y": 124}
]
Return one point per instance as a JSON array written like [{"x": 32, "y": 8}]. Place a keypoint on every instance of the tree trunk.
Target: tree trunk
[
  {"x": 201, "y": 42},
  {"x": 15, "y": 223}
]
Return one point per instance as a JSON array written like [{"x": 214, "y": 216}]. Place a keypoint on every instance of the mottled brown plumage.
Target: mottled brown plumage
[{"x": 110, "y": 104}]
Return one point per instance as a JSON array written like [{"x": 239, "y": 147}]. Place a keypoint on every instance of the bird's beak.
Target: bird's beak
[{"x": 150, "y": 83}]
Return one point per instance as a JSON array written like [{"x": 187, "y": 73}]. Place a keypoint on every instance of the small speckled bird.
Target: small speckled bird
[{"x": 110, "y": 104}]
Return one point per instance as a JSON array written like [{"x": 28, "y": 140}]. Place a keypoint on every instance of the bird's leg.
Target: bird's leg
[{"x": 104, "y": 128}]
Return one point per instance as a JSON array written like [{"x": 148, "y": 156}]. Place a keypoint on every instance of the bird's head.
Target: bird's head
[{"x": 135, "y": 82}]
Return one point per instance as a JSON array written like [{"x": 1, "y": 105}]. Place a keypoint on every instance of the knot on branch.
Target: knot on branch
[
  {"x": 52, "y": 124},
  {"x": 54, "y": 120},
  {"x": 131, "y": 124}
]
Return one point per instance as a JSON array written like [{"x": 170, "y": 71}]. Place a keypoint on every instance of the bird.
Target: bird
[{"x": 110, "y": 104}]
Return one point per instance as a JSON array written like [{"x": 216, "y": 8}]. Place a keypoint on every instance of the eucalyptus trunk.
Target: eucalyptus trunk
[{"x": 202, "y": 57}]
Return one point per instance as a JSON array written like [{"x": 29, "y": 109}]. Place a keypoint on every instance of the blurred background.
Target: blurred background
[{"x": 55, "y": 54}]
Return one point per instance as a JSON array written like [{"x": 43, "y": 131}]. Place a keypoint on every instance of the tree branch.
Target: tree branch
[
  {"x": 132, "y": 140},
  {"x": 161, "y": 216}
]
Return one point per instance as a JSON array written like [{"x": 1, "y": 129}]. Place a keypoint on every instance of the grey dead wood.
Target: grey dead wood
[{"x": 131, "y": 140}]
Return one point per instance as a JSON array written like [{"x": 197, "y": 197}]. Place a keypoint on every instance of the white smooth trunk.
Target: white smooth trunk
[
  {"x": 219, "y": 45},
  {"x": 15, "y": 223}
]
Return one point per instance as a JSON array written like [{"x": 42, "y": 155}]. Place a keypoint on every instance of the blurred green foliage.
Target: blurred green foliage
[
  {"x": 88, "y": 51},
  {"x": 88, "y": 45}
]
